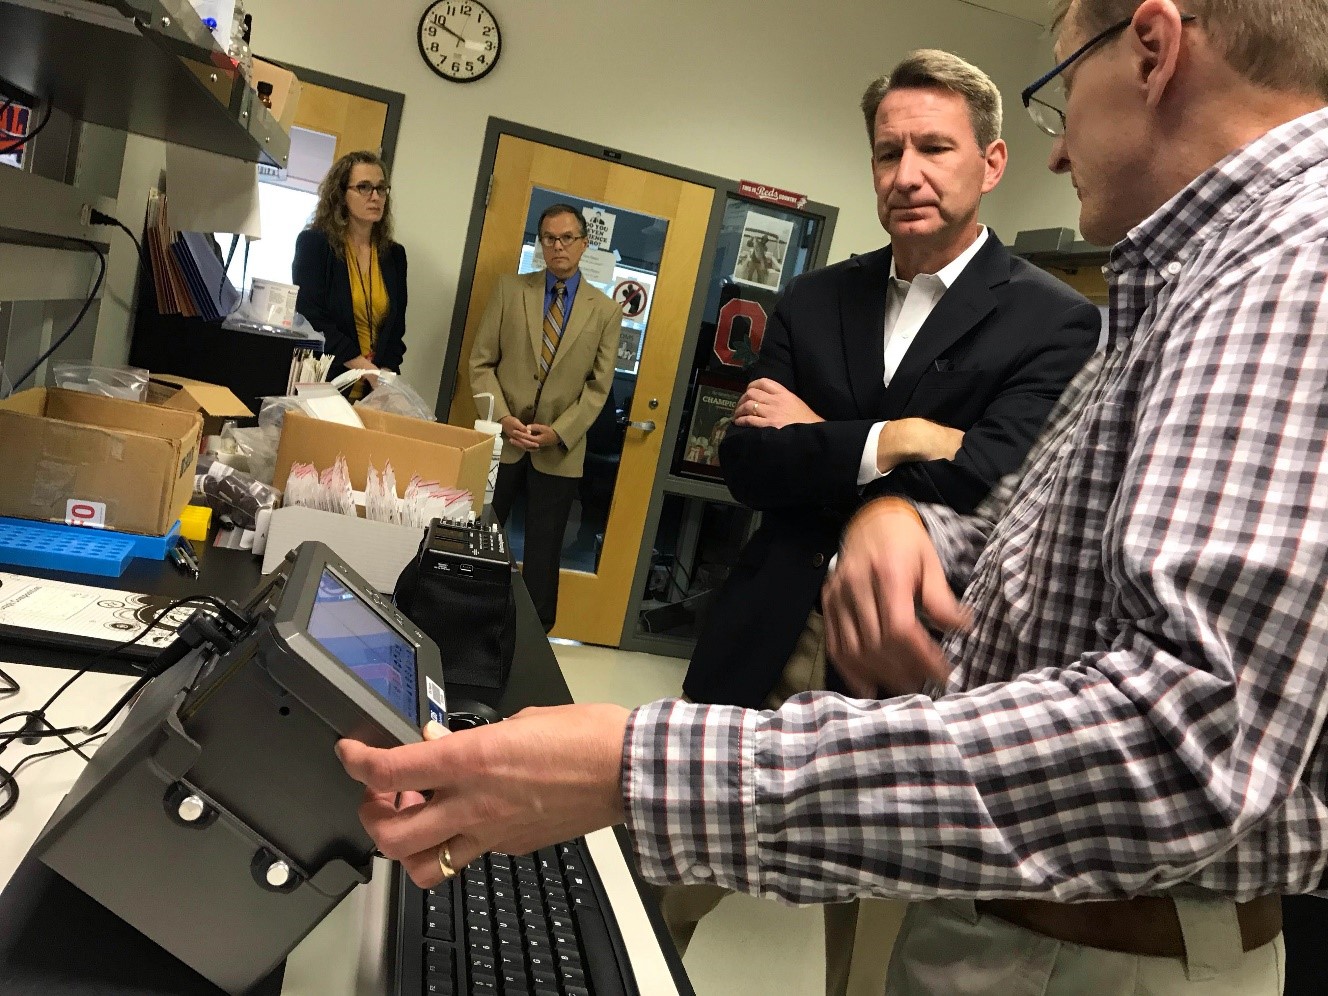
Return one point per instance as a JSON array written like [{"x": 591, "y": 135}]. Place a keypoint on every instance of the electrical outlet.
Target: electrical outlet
[{"x": 85, "y": 215}]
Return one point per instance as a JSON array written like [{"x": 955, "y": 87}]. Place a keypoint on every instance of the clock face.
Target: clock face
[{"x": 460, "y": 40}]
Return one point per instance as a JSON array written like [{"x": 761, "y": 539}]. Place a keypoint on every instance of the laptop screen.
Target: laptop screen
[{"x": 357, "y": 636}]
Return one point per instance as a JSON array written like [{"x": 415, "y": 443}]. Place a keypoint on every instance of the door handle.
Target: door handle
[{"x": 648, "y": 426}]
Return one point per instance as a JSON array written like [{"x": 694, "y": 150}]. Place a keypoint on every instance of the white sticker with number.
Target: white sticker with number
[{"x": 85, "y": 513}]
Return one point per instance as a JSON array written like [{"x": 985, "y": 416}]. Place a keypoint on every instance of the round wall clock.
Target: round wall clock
[{"x": 460, "y": 40}]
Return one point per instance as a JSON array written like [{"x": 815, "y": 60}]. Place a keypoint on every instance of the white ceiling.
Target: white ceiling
[{"x": 1037, "y": 11}]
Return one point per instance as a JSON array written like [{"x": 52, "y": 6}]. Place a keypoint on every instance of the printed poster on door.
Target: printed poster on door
[
  {"x": 599, "y": 227},
  {"x": 634, "y": 290}
]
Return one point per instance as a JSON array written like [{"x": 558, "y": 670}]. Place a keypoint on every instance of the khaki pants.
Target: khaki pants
[
  {"x": 947, "y": 947},
  {"x": 859, "y": 935}
]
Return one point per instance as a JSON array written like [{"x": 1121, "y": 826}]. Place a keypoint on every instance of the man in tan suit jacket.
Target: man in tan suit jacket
[{"x": 545, "y": 350}]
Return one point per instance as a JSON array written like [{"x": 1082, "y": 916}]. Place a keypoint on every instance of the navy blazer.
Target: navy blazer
[
  {"x": 992, "y": 359},
  {"x": 324, "y": 299}
]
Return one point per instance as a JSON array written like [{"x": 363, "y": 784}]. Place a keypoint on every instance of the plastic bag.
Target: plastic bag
[
  {"x": 256, "y": 447},
  {"x": 232, "y": 493},
  {"x": 300, "y": 331},
  {"x": 394, "y": 396},
  {"x": 130, "y": 383},
  {"x": 273, "y": 410}
]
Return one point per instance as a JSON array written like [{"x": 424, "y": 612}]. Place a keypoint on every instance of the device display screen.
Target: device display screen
[{"x": 365, "y": 643}]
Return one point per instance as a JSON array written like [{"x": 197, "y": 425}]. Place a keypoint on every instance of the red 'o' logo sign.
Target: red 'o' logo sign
[
  {"x": 754, "y": 315},
  {"x": 81, "y": 511}
]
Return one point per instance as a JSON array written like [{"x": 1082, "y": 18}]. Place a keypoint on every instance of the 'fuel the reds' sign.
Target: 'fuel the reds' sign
[{"x": 772, "y": 195}]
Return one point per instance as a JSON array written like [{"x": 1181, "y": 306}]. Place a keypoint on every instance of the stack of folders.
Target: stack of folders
[{"x": 187, "y": 272}]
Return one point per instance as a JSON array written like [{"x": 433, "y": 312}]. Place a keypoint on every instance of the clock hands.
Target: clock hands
[{"x": 444, "y": 26}]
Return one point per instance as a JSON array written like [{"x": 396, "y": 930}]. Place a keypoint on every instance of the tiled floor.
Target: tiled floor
[{"x": 747, "y": 947}]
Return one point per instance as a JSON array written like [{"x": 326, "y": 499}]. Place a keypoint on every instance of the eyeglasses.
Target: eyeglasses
[
  {"x": 1050, "y": 118},
  {"x": 366, "y": 189},
  {"x": 549, "y": 241}
]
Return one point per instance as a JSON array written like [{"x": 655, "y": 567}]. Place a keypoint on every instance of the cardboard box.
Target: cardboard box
[
  {"x": 75, "y": 457},
  {"x": 215, "y": 403},
  {"x": 448, "y": 454},
  {"x": 285, "y": 90}
]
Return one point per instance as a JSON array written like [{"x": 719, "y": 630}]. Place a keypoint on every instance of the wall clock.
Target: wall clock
[{"x": 460, "y": 40}]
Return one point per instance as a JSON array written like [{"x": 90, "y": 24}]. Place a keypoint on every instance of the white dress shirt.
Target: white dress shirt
[{"x": 908, "y": 305}]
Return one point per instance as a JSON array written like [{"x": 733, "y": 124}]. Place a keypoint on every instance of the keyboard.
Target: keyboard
[{"x": 535, "y": 924}]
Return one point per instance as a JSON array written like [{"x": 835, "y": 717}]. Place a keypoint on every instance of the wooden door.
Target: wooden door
[
  {"x": 357, "y": 122},
  {"x": 593, "y": 602}
]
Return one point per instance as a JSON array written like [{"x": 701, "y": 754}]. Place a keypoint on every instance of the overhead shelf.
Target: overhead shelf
[
  {"x": 149, "y": 67},
  {"x": 1058, "y": 248}
]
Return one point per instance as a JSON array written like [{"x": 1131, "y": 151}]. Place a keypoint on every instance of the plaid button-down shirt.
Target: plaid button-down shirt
[{"x": 1141, "y": 700}]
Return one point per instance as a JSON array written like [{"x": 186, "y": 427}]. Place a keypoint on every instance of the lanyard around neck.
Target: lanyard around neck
[{"x": 366, "y": 291}]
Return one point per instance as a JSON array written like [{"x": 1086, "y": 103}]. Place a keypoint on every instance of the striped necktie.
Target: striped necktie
[{"x": 553, "y": 329}]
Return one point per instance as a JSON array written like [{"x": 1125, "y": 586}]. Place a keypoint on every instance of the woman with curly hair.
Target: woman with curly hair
[{"x": 351, "y": 275}]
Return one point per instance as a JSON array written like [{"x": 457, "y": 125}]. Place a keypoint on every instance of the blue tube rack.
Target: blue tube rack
[{"x": 54, "y": 546}]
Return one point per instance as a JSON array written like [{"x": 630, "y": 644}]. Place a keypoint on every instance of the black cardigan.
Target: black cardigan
[{"x": 325, "y": 300}]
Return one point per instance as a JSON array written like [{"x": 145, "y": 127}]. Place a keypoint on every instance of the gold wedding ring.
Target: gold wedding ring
[
  {"x": 445, "y": 862},
  {"x": 756, "y": 407}
]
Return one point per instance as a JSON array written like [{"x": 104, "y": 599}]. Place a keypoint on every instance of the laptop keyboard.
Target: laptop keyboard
[{"x": 529, "y": 924}]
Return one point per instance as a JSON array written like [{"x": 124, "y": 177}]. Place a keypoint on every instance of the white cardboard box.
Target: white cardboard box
[{"x": 377, "y": 551}]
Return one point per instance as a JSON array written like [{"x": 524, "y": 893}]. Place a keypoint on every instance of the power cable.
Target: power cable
[
  {"x": 8, "y": 779},
  {"x": 102, "y": 218},
  {"x": 96, "y": 288},
  {"x": 35, "y": 719}
]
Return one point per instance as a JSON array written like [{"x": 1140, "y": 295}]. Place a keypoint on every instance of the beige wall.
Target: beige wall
[
  {"x": 144, "y": 160},
  {"x": 764, "y": 92}
]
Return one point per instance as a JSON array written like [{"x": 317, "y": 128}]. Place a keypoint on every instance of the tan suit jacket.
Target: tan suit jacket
[{"x": 504, "y": 361}]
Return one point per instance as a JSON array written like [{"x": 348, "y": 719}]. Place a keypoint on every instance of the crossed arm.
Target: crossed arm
[
  {"x": 768, "y": 404},
  {"x": 766, "y": 470}
]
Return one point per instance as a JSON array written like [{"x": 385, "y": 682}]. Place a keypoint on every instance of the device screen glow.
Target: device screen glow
[{"x": 366, "y": 644}]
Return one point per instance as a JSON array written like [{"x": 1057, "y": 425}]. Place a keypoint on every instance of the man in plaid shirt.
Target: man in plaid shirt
[{"x": 1124, "y": 772}]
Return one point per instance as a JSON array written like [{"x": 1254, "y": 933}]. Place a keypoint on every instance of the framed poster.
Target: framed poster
[
  {"x": 713, "y": 403},
  {"x": 736, "y": 335},
  {"x": 765, "y": 242}
]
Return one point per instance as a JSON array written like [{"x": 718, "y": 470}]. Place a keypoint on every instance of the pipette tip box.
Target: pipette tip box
[{"x": 79, "y": 549}]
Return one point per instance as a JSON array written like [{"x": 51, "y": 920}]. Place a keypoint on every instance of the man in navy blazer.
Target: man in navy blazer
[
  {"x": 988, "y": 364},
  {"x": 981, "y": 343},
  {"x": 926, "y": 369}
]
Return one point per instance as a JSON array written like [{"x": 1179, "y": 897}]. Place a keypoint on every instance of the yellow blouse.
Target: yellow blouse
[{"x": 368, "y": 296}]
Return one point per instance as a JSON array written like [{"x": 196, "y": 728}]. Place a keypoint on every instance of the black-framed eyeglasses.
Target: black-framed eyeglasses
[
  {"x": 367, "y": 189},
  {"x": 1050, "y": 118},
  {"x": 549, "y": 241}
]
